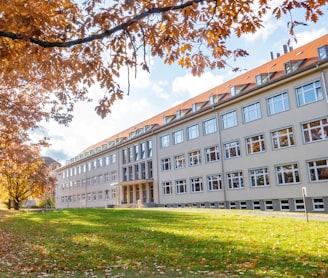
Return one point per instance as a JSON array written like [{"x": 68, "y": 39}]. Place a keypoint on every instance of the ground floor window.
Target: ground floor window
[
  {"x": 167, "y": 187},
  {"x": 235, "y": 180},
  {"x": 268, "y": 205},
  {"x": 299, "y": 205},
  {"x": 243, "y": 205},
  {"x": 181, "y": 186},
  {"x": 318, "y": 204},
  {"x": 284, "y": 205},
  {"x": 256, "y": 205},
  {"x": 196, "y": 184}
]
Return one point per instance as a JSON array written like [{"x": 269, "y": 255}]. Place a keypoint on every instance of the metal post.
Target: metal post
[{"x": 304, "y": 194}]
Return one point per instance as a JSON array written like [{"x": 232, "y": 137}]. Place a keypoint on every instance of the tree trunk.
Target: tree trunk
[{"x": 16, "y": 205}]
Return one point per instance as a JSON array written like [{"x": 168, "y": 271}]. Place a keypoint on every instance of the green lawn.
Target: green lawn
[{"x": 160, "y": 243}]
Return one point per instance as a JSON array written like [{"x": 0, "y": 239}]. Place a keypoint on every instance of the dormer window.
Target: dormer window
[
  {"x": 235, "y": 90},
  {"x": 263, "y": 78},
  {"x": 323, "y": 52},
  {"x": 178, "y": 114},
  {"x": 194, "y": 107},
  {"x": 292, "y": 65}
]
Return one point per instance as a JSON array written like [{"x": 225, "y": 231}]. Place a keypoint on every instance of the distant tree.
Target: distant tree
[
  {"x": 58, "y": 49},
  {"x": 23, "y": 173}
]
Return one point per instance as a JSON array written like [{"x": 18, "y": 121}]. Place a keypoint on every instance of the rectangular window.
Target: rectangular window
[
  {"x": 278, "y": 103},
  {"x": 136, "y": 172},
  {"x": 284, "y": 205},
  {"x": 165, "y": 141},
  {"x": 229, "y": 119},
  {"x": 179, "y": 161},
  {"x": 193, "y": 132},
  {"x": 143, "y": 150},
  {"x": 309, "y": 93},
  {"x": 181, "y": 186},
  {"x": 268, "y": 205},
  {"x": 166, "y": 164},
  {"x": 150, "y": 169},
  {"x": 113, "y": 158},
  {"x": 136, "y": 152},
  {"x": 315, "y": 131},
  {"x": 318, "y": 170},
  {"x": 196, "y": 184},
  {"x": 259, "y": 177},
  {"x": 149, "y": 149},
  {"x": 214, "y": 182},
  {"x": 212, "y": 154},
  {"x": 124, "y": 156},
  {"x": 323, "y": 52},
  {"x": 287, "y": 174},
  {"x": 256, "y": 205},
  {"x": 143, "y": 170},
  {"x": 243, "y": 205},
  {"x": 178, "y": 137},
  {"x": 130, "y": 173},
  {"x": 113, "y": 175},
  {"x": 255, "y": 144},
  {"x": 107, "y": 160},
  {"x": 318, "y": 204},
  {"x": 231, "y": 149},
  {"x": 209, "y": 126},
  {"x": 299, "y": 205},
  {"x": 194, "y": 158},
  {"x": 167, "y": 187},
  {"x": 282, "y": 138},
  {"x": 251, "y": 112},
  {"x": 235, "y": 180},
  {"x": 130, "y": 151},
  {"x": 125, "y": 174}
]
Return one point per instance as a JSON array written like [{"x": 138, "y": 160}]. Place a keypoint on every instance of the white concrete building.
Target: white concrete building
[{"x": 253, "y": 142}]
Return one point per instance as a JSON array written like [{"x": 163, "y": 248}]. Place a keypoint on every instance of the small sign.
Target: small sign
[{"x": 304, "y": 192}]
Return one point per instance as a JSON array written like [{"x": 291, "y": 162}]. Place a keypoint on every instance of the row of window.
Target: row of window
[
  {"x": 137, "y": 152},
  {"x": 286, "y": 174},
  {"x": 90, "y": 196},
  {"x": 268, "y": 205},
  {"x": 281, "y": 138},
  {"x": 105, "y": 178},
  {"x": 140, "y": 171},
  {"x": 275, "y": 104}
]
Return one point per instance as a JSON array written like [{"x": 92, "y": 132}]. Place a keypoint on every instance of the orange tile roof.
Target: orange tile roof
[{"x": 307, "y": 51}]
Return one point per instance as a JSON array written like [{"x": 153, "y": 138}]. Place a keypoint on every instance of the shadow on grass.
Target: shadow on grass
[{"x": 149, "y": 243}]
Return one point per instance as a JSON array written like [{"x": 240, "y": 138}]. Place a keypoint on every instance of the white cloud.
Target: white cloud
[
  {"x": 194, "y": 85},
  {"x": 309, "y": 35}
]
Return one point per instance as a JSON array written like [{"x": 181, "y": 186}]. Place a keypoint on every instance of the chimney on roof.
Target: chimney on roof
[
  {"x": 290, "y": 48},
  {"x": 271, "y": 55},
  {"x": 278, "y": 54},
  {"x": 285, "y": 48}
]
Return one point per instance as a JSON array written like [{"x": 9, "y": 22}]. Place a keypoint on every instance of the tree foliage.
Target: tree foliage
[
  {"x": 23, "y": 173},
  {"x": 57, "y": 49}
]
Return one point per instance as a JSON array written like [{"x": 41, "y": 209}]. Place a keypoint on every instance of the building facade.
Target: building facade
[{"x": 258, "y": 141}]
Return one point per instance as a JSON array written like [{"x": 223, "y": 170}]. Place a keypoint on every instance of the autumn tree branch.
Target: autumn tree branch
[{"x": 107, "y": 33}]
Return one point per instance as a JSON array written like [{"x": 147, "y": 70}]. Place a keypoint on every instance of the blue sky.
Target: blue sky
[{"x": 166, "y": 86}]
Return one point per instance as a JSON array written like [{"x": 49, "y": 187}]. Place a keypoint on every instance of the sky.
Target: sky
[{"x": 165, "y": 87}]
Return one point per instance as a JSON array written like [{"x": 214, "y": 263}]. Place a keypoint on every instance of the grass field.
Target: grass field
[{"x": 160, "y": 243}]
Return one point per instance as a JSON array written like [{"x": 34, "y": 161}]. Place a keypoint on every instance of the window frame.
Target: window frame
[
  {"x": 210, "y": 126},
  {"x": 314, "y": 170},
  {"x": 167, "y": 188},
  {"x": 280, "y": 99},
  {"x": 313, "y": 133},
  {"x": 164, "y": 141},
  {"x": 214, "y": 182},
  {"x": 194, "y": 158},
  {"x": 179, "y": 158},
  {"x": 233, "y": 178},
  {"x": 166, "y": 164},
  {"x": 228, "y": 149},
  {"x": 178, "y": 134},
  {"x": 212, "y": 154},
  {"x": 287, "y": 169},
  {"x": 257, "y": 173},
  {"x": 315, "y": 93},
  {"x": 193, "y": 132},
  {"x": 282, "y": 135},
  {"x": 179, "y": 184},
  {"x": 252, "y": 112},
  {"x": 196, "y": 184},
  {"x": 254, "y": 142},
  {"x": 229, "y": 119}
]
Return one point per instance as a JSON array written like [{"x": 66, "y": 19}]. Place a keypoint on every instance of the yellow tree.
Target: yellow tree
[
  {"x": 23, "y": 173},
  {"x": 58, "y": 49}
]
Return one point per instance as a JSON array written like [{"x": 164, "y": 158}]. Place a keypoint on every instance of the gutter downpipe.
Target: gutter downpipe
[{"x": 222, "y": 161}]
